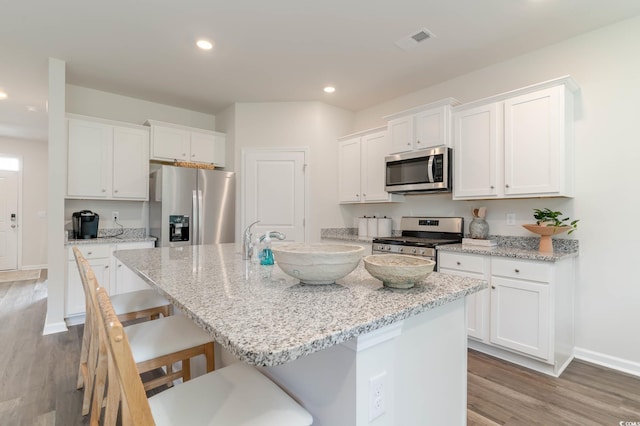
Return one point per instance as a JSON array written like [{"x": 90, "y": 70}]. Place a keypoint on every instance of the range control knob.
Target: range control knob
[
  {"x": 400, "y": 249},
  {"x": 414, "y": 250}
]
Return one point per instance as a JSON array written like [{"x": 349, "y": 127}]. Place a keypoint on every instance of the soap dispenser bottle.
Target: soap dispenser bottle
[{"x": 267, "y": 254}]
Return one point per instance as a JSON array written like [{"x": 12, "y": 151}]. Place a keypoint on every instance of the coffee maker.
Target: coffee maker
[{"x": 85, "y": 224}]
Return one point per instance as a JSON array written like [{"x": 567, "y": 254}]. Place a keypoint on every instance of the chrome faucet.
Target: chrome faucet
[{"x": 247, "y": 242}]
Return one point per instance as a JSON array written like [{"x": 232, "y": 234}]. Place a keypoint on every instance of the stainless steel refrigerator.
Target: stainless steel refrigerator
[{"x": 191, "y": 206}]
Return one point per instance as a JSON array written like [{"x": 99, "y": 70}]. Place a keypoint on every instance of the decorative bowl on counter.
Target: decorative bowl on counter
[
  {"x": 398, "y": 270},
  {"x": 545, "y": 232},
  {"x": 317, "y": 263}
]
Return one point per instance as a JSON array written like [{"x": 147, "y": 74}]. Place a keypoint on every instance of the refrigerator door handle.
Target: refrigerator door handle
[
  {"x": 196, "y": 218},
  {"x": 200, "y": 218}
]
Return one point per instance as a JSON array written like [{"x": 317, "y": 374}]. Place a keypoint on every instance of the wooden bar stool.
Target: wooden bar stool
[
  {"x": 158, "y": 343},
  {"x": 234, "y": 395},
  {"x": 128, "y": 306}
]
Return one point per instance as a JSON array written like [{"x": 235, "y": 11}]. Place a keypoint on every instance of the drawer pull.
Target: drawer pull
[
  {"x": 517, "y": 271},
  {"x": 493, "y": 287},
  {"x": 89, "y": 253},
  {"x": 458, "y": 263}
]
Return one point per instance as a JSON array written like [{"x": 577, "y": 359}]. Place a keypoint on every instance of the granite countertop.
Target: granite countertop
[
  {"x": 114, "y": 236},
  {"x": 519, "y": 248},
  {"x": 108, "y": 240},
  {"x": 265, "y": 317}
]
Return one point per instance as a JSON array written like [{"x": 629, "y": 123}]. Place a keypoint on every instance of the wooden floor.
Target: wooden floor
[{"x": 38, "y": 375}]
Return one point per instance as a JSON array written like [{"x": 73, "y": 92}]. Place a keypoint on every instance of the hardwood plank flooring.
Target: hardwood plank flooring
[
  {"x": 585, "y": 394},
  {"x": 37, "y": 379}
]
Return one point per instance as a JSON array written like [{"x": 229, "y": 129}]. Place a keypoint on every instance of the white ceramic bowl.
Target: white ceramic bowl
[
  {"x": 317, "y": 263},
  {"x": 398, "y": 270}
]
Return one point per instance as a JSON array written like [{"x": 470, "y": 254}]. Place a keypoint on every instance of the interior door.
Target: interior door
[
  {"x": 8, "y": 220},
  {"x": 274, "y": 191}
]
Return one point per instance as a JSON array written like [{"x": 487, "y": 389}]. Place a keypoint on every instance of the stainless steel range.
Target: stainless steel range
[{"x": 421, "y": 235}]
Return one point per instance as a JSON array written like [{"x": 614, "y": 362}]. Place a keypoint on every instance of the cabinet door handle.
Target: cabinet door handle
[
  {"x": 458, "y": 263},
  {"x": 491, "y": 187},
  {"x": 506, "y": 186},
  {"x": 517, "y": 271},
  {"x": 493, "y": 287},
  {"x": 119, "y": 265},
  {"x": 106, "y": 266},
  {"x": 364, "y": 195},
  {"x": 418, "y": 142},
  {"x": 115, "y": 191},
  {"x": 104, "y": 190},
  {"x": 89, "y": 253}
]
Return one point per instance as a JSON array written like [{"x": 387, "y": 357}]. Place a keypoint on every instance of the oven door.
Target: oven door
[{"x": 419, "y": 171}]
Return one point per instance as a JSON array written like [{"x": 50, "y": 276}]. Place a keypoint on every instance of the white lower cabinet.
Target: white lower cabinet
[
  {"x": 527, "y": 314},
  {"x": 125, "y": 279},
  {"x": 98, "y": 256},
  {"x": 102, "y": 261},
  {"x": 477, "y": 304}
]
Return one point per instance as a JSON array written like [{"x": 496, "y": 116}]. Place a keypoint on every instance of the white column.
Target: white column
[{"x": 57, "y": 161}]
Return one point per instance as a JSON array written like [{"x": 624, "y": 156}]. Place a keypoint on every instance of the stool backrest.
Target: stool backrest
[{"x": 125, "y": 384}]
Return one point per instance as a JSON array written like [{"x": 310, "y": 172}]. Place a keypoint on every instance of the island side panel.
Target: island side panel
[
  {"x": 425, "y": 366},
  {"x": 431, "y": 368}
]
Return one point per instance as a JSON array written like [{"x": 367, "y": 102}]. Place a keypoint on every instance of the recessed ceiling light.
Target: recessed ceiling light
[
  {"x": 204, "y": 44},
  {"x": 3, "y": 95},
  {"x": 329, "y": 89}
]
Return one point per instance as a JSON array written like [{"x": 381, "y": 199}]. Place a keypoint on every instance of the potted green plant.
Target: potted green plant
[{"x": 548, "y": 223}]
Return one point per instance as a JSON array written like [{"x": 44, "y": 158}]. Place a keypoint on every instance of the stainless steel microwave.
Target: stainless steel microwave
[{"x": 427, "y": 170}]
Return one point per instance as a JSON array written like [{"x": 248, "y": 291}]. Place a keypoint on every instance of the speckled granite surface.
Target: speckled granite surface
[
  {"x": 520, "y": 248},
  {"x": 114, "y": 236},
  {"x": 265, "y": 317}
]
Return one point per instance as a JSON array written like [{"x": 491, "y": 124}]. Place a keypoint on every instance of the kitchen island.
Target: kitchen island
[{"x": 330, "y": 346}]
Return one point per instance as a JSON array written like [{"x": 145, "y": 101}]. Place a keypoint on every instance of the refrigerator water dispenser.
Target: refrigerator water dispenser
[{"x": 178, "y": 228}]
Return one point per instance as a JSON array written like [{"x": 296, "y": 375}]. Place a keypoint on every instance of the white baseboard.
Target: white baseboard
[
  {"x": 55, "y": 327},
  {"x": 623, "y": 365}
]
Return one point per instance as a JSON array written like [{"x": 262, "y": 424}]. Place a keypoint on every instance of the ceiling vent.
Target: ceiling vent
[{"x": 412, "y": 40}]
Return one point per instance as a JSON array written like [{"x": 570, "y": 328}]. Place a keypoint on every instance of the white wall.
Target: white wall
[
  {"x": 299, "y": 124},
  {"x": 606, "y": 65},
  {"x": 95, "y": 103},
  {"x": 34, "y": 198}
]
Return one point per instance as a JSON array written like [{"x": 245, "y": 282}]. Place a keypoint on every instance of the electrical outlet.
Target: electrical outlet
[
  {"x": 377, "y": 395},
  {"x": 115, "y": 216},
  {"x": 511, "y": 218}
]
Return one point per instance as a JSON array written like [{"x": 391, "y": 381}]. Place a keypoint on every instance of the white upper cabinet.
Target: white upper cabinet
[
  {"x": 361, "y": 168},
  {"x": 173, "y": 142},
  {"x": 422, "y": 127},
  {"x": 516, "y": 145},
  {"x": 106, "y": 160},
  {"x": 130, "y": 163},
  {"x": 349, "y": 160},
  {"x": 170, "y": 143}
]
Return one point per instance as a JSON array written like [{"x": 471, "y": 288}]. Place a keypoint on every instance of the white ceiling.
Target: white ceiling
[{"x": 278, "y": 50}]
